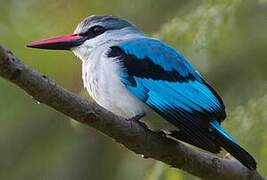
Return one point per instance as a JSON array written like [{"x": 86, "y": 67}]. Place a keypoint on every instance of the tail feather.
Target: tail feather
[
  {"x": 182, "y": 136},
  {"x": 230, "y": 145}
]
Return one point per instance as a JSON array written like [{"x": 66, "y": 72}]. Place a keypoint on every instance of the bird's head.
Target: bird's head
[{"x": 91, "y": 32}]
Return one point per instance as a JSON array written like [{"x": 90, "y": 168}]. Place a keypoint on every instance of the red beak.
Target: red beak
[{"x": 65, "y": 42}]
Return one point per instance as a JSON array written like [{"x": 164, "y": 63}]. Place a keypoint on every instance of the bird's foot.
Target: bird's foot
[
  {"x": 161, "y": 133},
  {"x": 137, "y": 119},
  {"x": 142, "y": 124},
  {"x": 228, "y": 156}
]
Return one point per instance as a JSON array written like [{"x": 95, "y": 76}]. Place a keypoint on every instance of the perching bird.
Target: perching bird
[{"x": 127, "y": 72}]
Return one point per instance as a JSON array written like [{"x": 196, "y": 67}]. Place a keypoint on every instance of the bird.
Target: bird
[{"x": 132, "y": 75}]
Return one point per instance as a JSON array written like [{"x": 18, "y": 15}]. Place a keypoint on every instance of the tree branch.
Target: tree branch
[{"x": 129, "y": 133}]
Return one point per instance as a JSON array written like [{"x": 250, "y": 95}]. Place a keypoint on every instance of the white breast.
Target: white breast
[{"x": 102, "y": 81}]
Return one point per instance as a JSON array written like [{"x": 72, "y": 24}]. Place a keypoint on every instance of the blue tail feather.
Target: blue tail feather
[
  {"x": 215, "y": 124},
  {"x": 230, "y": 145}
]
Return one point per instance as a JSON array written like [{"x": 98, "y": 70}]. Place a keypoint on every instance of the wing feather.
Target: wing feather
[{"x": 163, "y": 79}]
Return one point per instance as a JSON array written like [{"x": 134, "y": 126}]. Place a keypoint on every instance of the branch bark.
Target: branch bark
[{"x": 129, "y": 133}]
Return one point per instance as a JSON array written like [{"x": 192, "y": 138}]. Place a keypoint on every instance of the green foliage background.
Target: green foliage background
[{"x": 225, "y": 40}]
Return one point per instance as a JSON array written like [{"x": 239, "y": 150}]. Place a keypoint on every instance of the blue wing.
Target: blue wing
[{"x": 163, "y": 79}]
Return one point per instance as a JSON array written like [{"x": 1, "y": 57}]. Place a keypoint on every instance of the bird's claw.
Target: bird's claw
[
  {"x": 161, "y": 133},
  {"x": 137, "y": 119}
]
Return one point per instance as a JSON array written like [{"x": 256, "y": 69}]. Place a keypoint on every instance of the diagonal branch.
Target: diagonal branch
[{"x": 129, "y": 133}]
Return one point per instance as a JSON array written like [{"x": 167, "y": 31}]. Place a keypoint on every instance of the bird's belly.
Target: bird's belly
[
  {"x": 120, "y": 102},
  {"x": 105, "y": 87}
]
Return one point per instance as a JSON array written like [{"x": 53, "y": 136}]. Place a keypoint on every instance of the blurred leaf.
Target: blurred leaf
[
  {"x": 209, "y": 22},
  {"x": 157, "y": 172},
  {"x": 173, "y": 174},
  {"x": 161, "y": 171}
]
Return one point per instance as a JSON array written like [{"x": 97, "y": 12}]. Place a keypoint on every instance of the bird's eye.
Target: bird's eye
[
  {"x": 97, "y": 30},
  {"x": 94, "y": 31}
]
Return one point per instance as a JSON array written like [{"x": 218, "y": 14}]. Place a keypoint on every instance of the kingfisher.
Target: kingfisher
[{"x": 129, "y": 73}]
